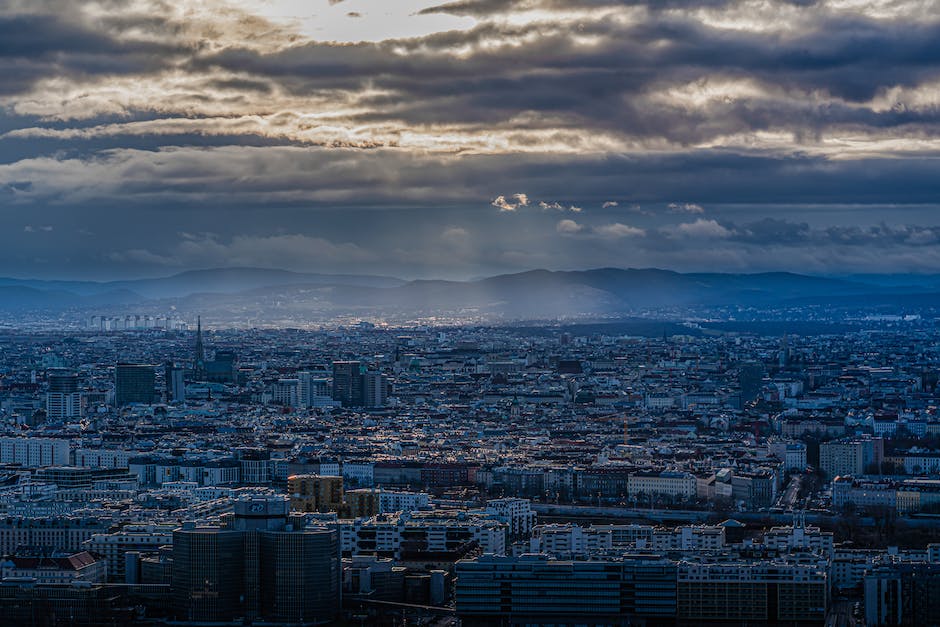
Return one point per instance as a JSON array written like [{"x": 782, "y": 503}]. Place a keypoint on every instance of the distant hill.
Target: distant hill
[
  {"x": 259, "y": 294},
  {"x": 215, "y": 280}
]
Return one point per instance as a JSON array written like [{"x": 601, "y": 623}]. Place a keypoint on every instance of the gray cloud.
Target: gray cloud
[{"x": 222, "y": 116}]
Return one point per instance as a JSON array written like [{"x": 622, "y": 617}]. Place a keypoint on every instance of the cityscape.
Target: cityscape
[
  {"x": 606, "y": 473},
  {"x": 469, "y": 313}
]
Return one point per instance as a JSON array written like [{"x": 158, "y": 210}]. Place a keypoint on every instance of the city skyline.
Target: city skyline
[{"x": 429, "y": 139}]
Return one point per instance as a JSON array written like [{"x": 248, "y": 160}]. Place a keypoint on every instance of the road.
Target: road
[
  {"x": 840, "y": 615},
  {"x": 790, "y": 495}
]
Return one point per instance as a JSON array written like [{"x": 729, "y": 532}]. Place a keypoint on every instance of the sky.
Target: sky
[{"x": 427, "y": 138}]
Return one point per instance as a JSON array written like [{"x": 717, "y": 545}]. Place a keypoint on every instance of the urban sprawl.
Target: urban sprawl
[{"x": 165, "y": 473}]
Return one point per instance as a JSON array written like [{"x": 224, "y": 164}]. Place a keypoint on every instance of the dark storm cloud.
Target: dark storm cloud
[
  {"x": 483, "y": 8},
  {"x": 33, "y": 47},
  {"x": 604, "y": 84}
]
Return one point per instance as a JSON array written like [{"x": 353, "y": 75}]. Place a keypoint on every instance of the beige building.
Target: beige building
[{"x": 313, "y": 493}]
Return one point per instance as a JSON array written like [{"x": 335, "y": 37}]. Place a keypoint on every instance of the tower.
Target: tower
[
  {"x": 347, "y": 383},
  {"x": 133, "y": 383},
  {"x": 63, "y": 400},
  {"x": 199, "y": 363}
]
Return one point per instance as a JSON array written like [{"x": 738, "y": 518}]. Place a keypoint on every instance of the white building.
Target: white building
[
  {"x": 674, "y": 484},
  {"x": 113, "y": 546},
  {"x": 34, "y": 452},
  {"x": 517, "y": 513},
  {"x": 391, "y": 502}
]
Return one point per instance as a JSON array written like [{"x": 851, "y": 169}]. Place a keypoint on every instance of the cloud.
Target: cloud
[
  {"x": 455, "y": 234},
  {"x": 806, "y": 115},
  {"x": 618, "y": 230},
  {"x": 517, "y": 200},
  {"x": 568, "y": 227},
  {"x": 558, "y": 207},
  {"x": 685, "y": 207},
  {"x": 613, "y": 231},
  {"x": 702, "y": 228}
]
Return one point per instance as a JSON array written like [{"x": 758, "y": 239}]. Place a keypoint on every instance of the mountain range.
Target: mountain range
[{"x": 260, "y": 293}]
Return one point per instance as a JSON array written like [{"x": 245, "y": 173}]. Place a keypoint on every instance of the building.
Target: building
[
  {"x": 397, "y": 535},
  {"x": 208, "y": 574},
  {"x": 677, "y": 485},
  {"x": 313, "y": 391},
  {"x": 347, "y": 383},
  {"x": 63, "y": 399},
  {"x": 53, "y": 567},
  {"x": 362, "y": 503},
  {"x": 313, "y": 493},
  {"x": 517, "y": 513},
  {"x": 533, "y": 590},
  {"x": 391, "y": 502},
  {"x": 113, "y": 547},
  {"x": 264, "y": 566},
  {"x": 34, "y": 452},
  {"x": 300, "y": 575},
  {"x": 134, "y": 383},
  {"x": 374, "y": 389},
  {"x": 62, "y": 533},
  {"x": 851, "y": 457},
  {"x": 174, "y": 378},
  {"x": 903, "y": 594},
  {"x": 222, "y": 368},
  {"x": 751, "y": 591},
  {"x": 286, "y": 392}
]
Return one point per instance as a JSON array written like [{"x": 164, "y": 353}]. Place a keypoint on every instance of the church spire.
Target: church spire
[{"x": 199, "y": 364}]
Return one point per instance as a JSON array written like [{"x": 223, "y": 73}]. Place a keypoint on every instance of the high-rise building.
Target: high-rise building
[
  {"x": 222, "y": 367},
  {"x": 300, "y": 575},
  {"x": 134, "y": 383},
  {"x": 353, "y": 386},
  {"x": 175, "y": 383},
  {"x": 374, "y": 389},
  {"x": 63, "y": 399},
  {"x": 265, "y": 566},
  {"x": 313, "y": 391},
  {"x": 347, "y": 383},
  {"x": 208, "y": 574}
]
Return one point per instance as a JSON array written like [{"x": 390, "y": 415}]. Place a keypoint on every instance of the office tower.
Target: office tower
[
  {"x": 208, "y": 574},
  {"x": 133, "y": 383},
  {"x": 374, "y": 389},
  {"x": 222, "y": 367},
  {"x": 313, "y": 493},
  {"x": 263, "y": 566},
  {"x": 175, "y": 383},
  {"x": 63, "y": 400},
  {"x": 313, "y": 392},
  {"x": 347, "y": 383},
  {"x": 300, "y": 575}
]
